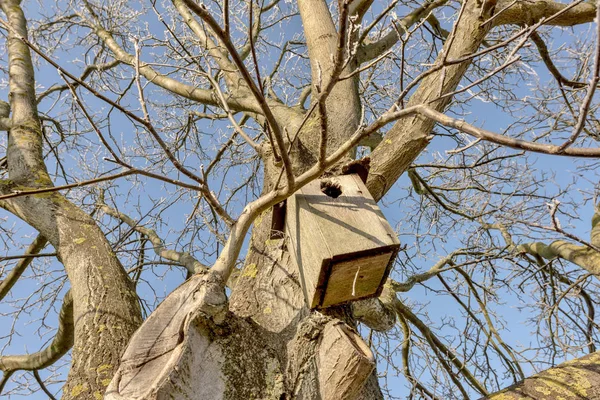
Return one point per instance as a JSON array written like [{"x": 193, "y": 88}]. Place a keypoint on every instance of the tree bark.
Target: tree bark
[
  {"x": 105, "y": 306},
  {"x": 573, "y": 380}
]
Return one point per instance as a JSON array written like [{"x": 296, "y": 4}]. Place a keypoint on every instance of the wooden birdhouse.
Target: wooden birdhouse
[{"x": 342, "y": 244}]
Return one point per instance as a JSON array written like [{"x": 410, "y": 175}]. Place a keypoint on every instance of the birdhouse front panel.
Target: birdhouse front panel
[{"x": 342, "y": 244}]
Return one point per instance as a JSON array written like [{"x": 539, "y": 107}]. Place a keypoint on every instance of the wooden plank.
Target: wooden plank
[
  {"x": 355, "y": 279},
  {"x": 308, "y": 246},
  {"x": 351, "y": 222},
  {"x": 391, "y": 234}
]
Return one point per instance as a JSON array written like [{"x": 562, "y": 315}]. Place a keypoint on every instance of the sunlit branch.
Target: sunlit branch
[
  {"x": 525, "y": 12},
  {"x": 464, "y": 58},
  {"x": 303, "y": 96},
  {"x": 60, "y": 345},
  {"x": 505, "y": 140},
  {"x": 375, "y": 21},
  {"x": 373, "y": 50},
  {"x": 203, "y": 96},
  {"x": 587, "y": 100},
  {"x": 5, "y": 377},
  {"x": 326, "y": 84},
  {"x": 254, "y": 14},
  {"x": 553, "y": 209},
  {"x": 5, "y": 122},
  {"x": 25, "y": 142},
  {"x": 436, "y": 269},
  {"x": 446, "y": 354}
]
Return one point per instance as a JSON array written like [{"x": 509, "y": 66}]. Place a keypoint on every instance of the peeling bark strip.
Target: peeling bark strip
[
  {"x": 159, "y": 354},
  {"x": 190, "y": 349},
  {"x": 327, "y": 351}
]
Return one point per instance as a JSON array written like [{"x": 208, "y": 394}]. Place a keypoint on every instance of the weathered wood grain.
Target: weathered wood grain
[{"x": 343, "y": 246}]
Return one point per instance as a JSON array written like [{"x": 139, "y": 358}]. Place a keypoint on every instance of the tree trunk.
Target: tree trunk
[{"x": 105, "y": 306}]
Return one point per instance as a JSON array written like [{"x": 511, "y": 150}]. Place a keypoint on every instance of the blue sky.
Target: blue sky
[{"x": 174, "y": 218}]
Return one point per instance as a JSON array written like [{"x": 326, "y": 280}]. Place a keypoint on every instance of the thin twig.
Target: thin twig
[
  {"x": 40, "y": 382},
  {"x": 587, "y": 101}
]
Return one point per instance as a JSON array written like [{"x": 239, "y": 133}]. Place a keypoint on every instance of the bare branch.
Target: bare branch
[
  {"x": 203, "y": 96},
  {"x": 13, "y": 276},
  {"x": 545, "y": 55},
  {"x": 264, "y": 107},
  {"x": 61, "y": 344},
  {"x": 183, "y": 258},
  {"x": 446, "y": 353},
  {"x": 528, "y": 13},
  {"x": 40, "y": 382},
  {"x": 369, "y": 51},
  {"x": 505, "y": 140},
  {"x": 587, "y": 101},
  {"x": 84, "y": 75}
]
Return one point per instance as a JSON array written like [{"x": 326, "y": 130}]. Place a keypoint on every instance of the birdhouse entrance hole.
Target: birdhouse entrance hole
[{"x": 331, "y": 188}]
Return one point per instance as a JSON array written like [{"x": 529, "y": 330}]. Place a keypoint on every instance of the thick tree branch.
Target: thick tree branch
[
  {"x": 258, "y": 96},
  {"x": 582, "y": 256},
  {"x": 5, "y": 122},
  {"x": 216, "y": 53},
  {"x": 573, "y": 380},
  {"x": 61, "y": 344},
  {"x": 370, "y": 50},
  {"x": 408, "y": 138},
  {"x": 530, "y": 12},
  {"x": 376, "y": 313},
  {"x": 203, "y": 96},
  {"x": 24, "y": 152}
]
